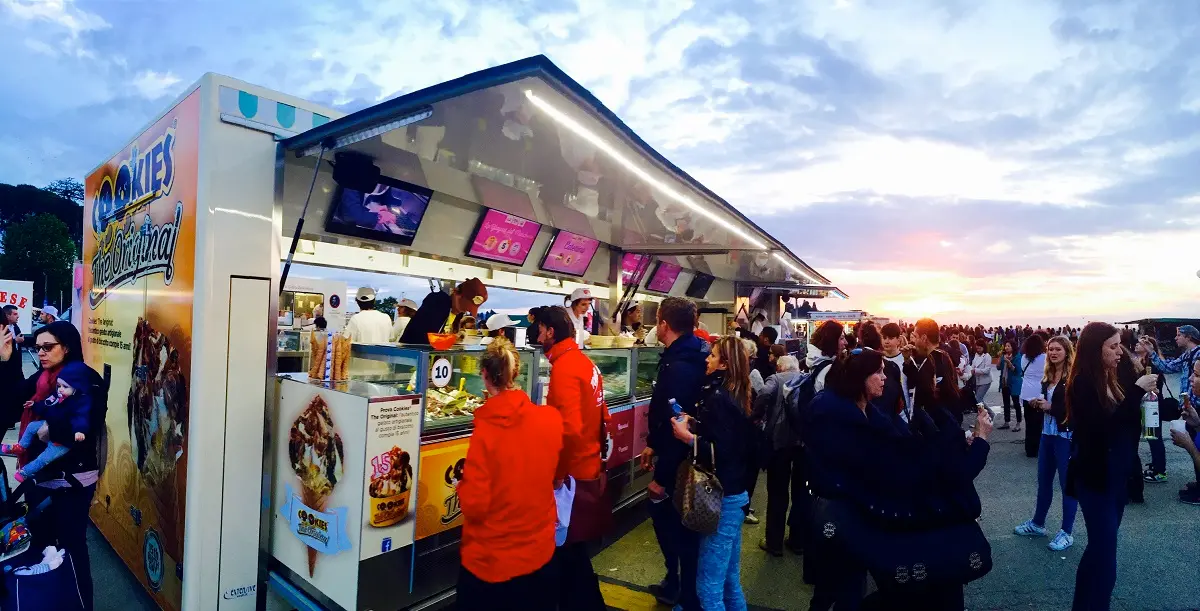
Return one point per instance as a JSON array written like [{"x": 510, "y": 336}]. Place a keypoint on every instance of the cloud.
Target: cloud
[{"x": 1043, "y": 142}]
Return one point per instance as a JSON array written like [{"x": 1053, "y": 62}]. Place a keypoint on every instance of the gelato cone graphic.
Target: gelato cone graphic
[{"x": 317, "y": 457}]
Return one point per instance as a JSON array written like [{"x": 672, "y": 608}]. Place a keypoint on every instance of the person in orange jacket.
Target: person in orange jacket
[
  {"x": 577, "y": 392},
  {"x": 507, "y": 495}
]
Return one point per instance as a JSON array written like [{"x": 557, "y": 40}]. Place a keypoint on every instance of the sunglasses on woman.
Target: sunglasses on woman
[{"x": 46, "y": 347}]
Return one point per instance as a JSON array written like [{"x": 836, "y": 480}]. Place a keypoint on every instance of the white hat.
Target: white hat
[
  {"x": 51, "y": 310},
  {"x": 495, "y": 322},
  {"x": 365, "y": 293},
  {"x": 581, "y": 293},
  {"x": 408, "y": 303}
]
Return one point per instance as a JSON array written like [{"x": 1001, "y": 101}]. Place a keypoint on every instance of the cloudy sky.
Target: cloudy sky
[{"x": 975, "y": 160}]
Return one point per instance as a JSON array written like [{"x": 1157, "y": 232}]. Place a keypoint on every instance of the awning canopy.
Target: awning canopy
[{"x": 526, "y": 139}]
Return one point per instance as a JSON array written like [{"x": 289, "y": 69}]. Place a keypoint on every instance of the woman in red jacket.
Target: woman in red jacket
[{"x": 507, "y": 495}]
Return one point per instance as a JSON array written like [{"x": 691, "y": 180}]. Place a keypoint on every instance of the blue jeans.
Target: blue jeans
[
  {"x": 1052, "y": 456},
  {"x": 52, "y": 452},
  {"x": 1097, "y": 573},
  {"x": 719, "y": 574}
]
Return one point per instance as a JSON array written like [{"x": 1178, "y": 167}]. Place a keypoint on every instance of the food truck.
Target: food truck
[{"x": 335, "y": 486}]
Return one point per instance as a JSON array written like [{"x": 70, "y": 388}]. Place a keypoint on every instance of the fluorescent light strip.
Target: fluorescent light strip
[
  {"x": 371, "y": 132},
  {"x": 629, "y": 165},
  {"x": 784, "y": 260}
]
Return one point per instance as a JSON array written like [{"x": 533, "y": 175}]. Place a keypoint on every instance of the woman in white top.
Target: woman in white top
[
  {"x": 981, "y": 366},
  {"x": 581, "y": 302},
  {"x": 1034, "y": 351}
]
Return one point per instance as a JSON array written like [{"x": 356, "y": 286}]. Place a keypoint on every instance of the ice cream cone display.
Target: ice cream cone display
[
  {"x": 329, "y": 357},
  {"x": 317, "y": 457},
  {"x": 390, "y": 487}
]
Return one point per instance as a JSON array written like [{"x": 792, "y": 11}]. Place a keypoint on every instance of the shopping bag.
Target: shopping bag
[{"x": 564, "y": 499}]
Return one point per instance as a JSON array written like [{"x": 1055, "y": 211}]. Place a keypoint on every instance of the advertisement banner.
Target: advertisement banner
[
  {"x": 437, "y": 499},
  {"x": 504, "y": 238},
  {"x": 393, "y": 447},
  {"x": 19, "y": 294},
  {"x": 139, "y": 243},
  {"x": 317, "y": 494},
  {"x": 622, "y": 433},
  {"x": 641, "y": 427}
]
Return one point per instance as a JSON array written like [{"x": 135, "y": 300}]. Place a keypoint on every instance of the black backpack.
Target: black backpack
[{"x": 800, "y": 394}]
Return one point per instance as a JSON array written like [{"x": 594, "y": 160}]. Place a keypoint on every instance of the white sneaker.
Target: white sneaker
[
  {"x": 1062, "y": 541},
  {"x": 1029, "y": 529}
]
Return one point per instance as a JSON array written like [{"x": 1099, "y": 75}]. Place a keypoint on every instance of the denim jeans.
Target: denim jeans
[
  {"x": 1052, "y": 457},
  {"x": 1097, "y": 573},
  {"x": 718, "y": 574}
]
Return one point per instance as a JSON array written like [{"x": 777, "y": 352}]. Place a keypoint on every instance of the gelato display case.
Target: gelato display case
[{"x": 647, "y": 371}]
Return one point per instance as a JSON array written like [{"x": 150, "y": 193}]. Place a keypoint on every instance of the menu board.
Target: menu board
[
  {"x": 570, "y": 253},
  {"x": 504, "y": 238},
  {"x": 629, "y": 265},
  {"x": 664, "y": 278}
]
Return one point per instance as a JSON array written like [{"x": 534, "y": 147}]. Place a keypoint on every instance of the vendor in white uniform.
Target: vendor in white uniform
[
  {"x": 405, "y": 310},
  {"x": 581, "y": 302},
  {"x": 369, "y": 326}
]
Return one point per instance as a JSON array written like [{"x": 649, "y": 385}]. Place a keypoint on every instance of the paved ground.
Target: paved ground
[{"x": 1157, "y": 568}]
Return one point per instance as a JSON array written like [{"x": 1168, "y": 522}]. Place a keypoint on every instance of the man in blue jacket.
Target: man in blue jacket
[{"x": 680, "y": 377}]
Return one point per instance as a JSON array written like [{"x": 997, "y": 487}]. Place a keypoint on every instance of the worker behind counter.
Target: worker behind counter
[
  {"x": 405, "y": 310},
  {"x": 442, "y": 312},
  {"x": 581, "y": 302},
  {"x": 368, "y": 326}
]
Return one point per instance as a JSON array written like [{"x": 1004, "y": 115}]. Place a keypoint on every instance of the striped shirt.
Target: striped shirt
[{"x": 1184, "y": 364}]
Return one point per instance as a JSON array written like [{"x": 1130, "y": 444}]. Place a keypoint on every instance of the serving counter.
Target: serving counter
[{"x": 364, "y": 509}]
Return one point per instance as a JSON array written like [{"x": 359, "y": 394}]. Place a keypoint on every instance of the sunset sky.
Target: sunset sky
[{"x": 986, "y": 161}]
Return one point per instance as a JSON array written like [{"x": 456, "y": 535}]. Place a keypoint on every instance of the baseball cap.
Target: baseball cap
[
  {"x": 365, "y": 293},
  {"x": 496, "y": 322},
  {"x": 581, "y": 293},
  {"x": 1190, "y": 331},
  {"x": 475, "y": 293},
  {"x": 408, "y": 303},
  {"x": 51, "y": 310}
]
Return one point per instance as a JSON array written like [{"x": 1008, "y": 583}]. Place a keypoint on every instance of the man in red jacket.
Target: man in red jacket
[{"x": 577, "y": 392}]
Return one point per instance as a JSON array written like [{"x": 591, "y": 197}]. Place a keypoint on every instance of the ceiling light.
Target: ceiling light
[
  {"x": 633, "y": 168},
  {"x": 792, "y": 266},
  {"x": 370, "y": 132}
]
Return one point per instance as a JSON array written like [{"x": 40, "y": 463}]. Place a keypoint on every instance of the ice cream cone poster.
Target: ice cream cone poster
[
  {"x": 442, "y": 465},
  {"x": 138, "y": 270},
  {"x": 393, "y": 442},
  {"x": 317, "y": 493}
]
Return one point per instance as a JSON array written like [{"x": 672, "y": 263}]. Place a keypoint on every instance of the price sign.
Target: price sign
[{"x": 439, "y": 374}]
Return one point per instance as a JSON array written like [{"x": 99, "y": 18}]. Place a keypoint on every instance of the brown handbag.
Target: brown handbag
[
  {"x": 698, "y": 494},
  {"x": 591, "y": 511}
]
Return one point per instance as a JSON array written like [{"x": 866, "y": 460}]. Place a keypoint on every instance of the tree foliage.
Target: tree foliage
[
  {"x": 67, "y": 188},
  {"x": 20, "y": 201},
  {"x": 39, "y": 248},
  {"x": 387, "y": 305}
]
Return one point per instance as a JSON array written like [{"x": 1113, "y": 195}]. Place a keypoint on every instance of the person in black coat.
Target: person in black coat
[
  {"x": 1105, "y": 417},
  {"x": 67, "y": 518},
  {"x": 442, "y": 312}
]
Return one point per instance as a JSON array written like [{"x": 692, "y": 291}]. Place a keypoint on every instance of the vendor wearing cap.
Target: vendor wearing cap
[
  {"x": 581, "y": 302},
  {"x": 49, "y": 314},
  {"x": 443, "y": 312},
  {"x": 369, "y": 326},
  {"x": 500, "y": 325},
  {"x": 405, "y": 310}
]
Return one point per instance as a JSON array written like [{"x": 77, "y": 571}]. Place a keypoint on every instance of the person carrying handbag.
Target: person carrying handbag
[
  {"x": 721, "y": 436},
  {"x": 577, "y": 392}
]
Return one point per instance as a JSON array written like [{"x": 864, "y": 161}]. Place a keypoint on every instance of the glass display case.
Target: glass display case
[
  {"x": 614, "y": 366},
  {"x": 455, "y": 388},
  {"x": 647, "y": 370}
]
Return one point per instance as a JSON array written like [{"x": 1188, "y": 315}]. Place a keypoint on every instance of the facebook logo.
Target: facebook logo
[{"x": 386, "y": 546}]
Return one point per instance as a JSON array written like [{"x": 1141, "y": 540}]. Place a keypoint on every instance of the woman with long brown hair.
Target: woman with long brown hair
[
  {"x": 1055, "y": 448},
  {"x": 721, "y": 436},
  {"x": 1105, "y": 418}
]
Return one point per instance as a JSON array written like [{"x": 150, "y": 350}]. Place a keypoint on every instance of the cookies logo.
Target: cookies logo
[
  {"x": 128, "y": 248},
  {"x": 454, "y": 474}
]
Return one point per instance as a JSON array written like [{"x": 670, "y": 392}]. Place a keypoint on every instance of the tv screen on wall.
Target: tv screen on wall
[
  {"x": 391, "y": 212},
  {"x": 664, "y": 277},
  {"x": 503, "y": 238},
  {"x": 570, "y": 253}
]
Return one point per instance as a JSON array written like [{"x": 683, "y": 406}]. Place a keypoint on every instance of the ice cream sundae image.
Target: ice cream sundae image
[
  {"x": 390, "y": 487},
  {"x": 157, "y": 405},
  {"x": 490, "y": 243},
  {"x": 317, "y": 457}
]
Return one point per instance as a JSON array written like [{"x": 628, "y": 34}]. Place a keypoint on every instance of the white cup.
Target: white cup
[{"x": 1179, "y": 425}]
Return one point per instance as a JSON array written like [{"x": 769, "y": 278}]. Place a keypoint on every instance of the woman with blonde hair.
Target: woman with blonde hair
[
  {"x": 1055, "y": 449},
  {"x": 507, "y": 494},
  {"x": 721, "y": 436}
]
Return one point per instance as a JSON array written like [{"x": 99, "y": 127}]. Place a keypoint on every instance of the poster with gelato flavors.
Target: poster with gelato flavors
[
  {"x": 504, "y": 238},
  {"x": 570, "y": 253}
]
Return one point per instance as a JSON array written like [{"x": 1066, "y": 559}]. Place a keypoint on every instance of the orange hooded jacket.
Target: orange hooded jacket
[
  {"x": 577, "y": 392},
  {"x": 507, "y": 490}
]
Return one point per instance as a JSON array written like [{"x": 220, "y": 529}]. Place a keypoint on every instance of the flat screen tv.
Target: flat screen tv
[
  {"x": 503, "y": 238},
  {"x": 699, "y": 286},
  {"x": 391, "y": 212},
  {"x": 664, "y": 277},
  {"x": 629, "y": 265},
  {"x": 569, "y": 253}
]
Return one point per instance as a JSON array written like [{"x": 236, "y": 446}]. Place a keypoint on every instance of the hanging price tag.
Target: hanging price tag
[{"x": 439, "y": 373}]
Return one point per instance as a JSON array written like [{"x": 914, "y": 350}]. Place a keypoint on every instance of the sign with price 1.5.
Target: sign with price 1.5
[{"x": 393, "y": 447}]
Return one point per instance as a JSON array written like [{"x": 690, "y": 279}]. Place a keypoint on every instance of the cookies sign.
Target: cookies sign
[{"x": 393, "y": 439}]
